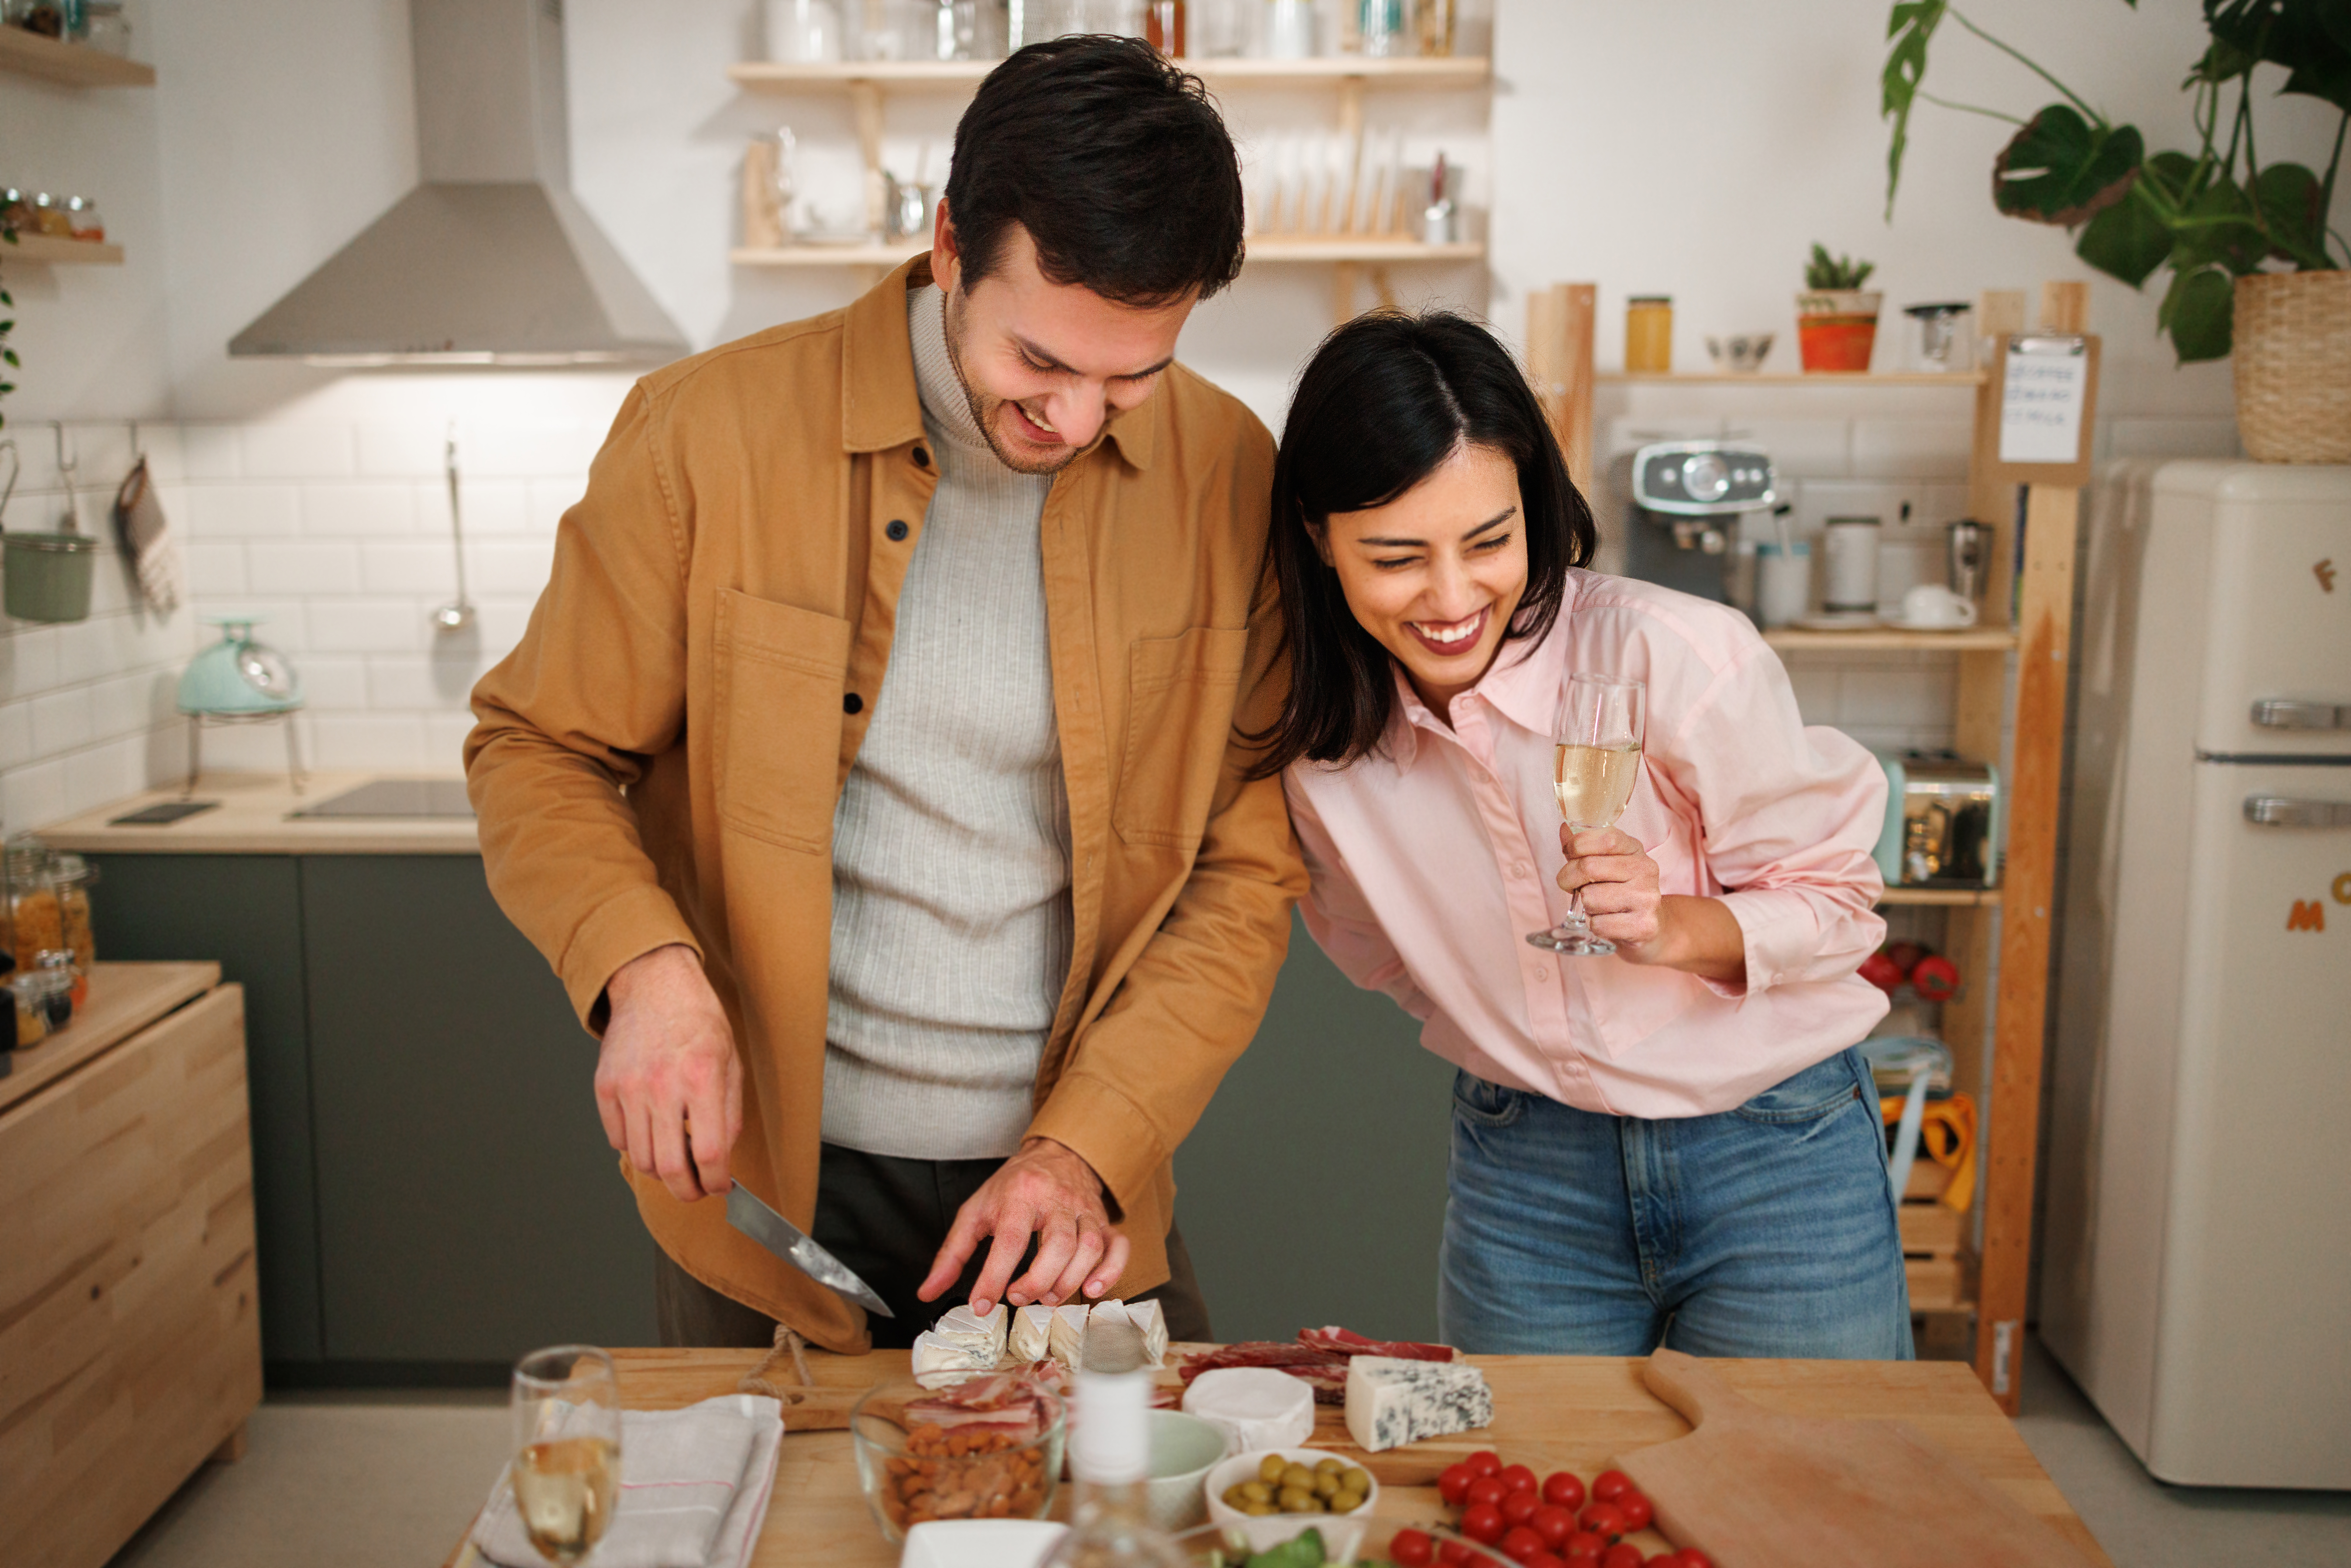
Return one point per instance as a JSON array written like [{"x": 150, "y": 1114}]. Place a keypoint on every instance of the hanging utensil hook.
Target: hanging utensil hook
[
  {"x": 459, "y": 614},
  {"x": 69, "y": 475}
]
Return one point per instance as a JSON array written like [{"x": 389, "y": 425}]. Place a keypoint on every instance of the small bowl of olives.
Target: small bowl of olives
[{"x": 1273, "y": 1494}]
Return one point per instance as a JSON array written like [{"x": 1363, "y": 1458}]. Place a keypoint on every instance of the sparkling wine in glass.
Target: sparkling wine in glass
[
  {"x": 567, "y": 1463},
  {"x": 1594, "y": 770}
]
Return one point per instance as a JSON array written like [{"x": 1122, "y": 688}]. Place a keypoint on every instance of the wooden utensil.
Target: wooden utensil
[{"x": 1755, "y": 1488}]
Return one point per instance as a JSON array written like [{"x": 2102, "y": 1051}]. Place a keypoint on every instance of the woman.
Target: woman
[{"x": 1675, "y": 1144}]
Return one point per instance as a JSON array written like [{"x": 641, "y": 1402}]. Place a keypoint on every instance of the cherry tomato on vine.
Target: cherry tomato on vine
[
  {"x": 1457, "y": 1555},
  {"x": 1483, "y": 1523},
  {"x": 1605, "y": 1519},
  {"x": 1486, "y": 1488},
  {"x": 1624, "y": 1555},
  {"x": 1691, "y": 1557},
  {"x": 1582, "y": 1546},
  {"x": 1522, "y": 1543},
  {"x": 1553, "y": 1523},
  {"x": 1610, "y": 1485},
  {"x": 1453, "y": 1484},
  {"x": 1565, "y": 1488},
  {"x": 1486, "y": 1463},
  {"x": 1637, "y": 1510},
  {"x": 1413, "y": 1548},
  {"x": 1518, "y": 1507},
  {"x": 1517, "y": 1478}
]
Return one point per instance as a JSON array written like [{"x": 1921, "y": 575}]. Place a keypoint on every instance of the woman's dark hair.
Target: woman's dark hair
[
  {"x": 1386, "y": 400},
  {"x": 1114, "y": 161}
]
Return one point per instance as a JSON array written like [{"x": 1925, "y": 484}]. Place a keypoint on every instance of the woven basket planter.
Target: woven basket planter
[{"x": 2293, "y": 366}]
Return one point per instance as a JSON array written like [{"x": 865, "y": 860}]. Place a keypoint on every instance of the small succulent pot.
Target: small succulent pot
[
  {"x": 47, "y": 577},
  {"x": 1837, "y": 328}
]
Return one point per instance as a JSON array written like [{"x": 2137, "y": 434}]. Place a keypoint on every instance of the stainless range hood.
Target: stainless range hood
[{"x": 491, "y": 260}]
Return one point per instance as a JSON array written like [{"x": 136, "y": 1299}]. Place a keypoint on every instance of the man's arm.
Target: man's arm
[{"x": 563, "y": 725}]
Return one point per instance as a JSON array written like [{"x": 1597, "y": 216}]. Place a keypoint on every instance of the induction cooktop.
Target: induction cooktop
[{"x": 397, "y": 798}]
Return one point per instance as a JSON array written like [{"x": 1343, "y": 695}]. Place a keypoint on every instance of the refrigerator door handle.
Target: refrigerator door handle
[
  {"x": 2278, "y": 811},
  {"x": 2278, "y": 713}
]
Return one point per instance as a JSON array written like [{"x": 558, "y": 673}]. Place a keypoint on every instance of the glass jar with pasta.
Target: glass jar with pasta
[
  {"x": 35, "y": 922},
  {"x": 70, "y": 877}
]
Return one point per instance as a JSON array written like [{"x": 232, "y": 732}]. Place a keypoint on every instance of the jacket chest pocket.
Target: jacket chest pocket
[
  {"x": 781, "y": 670},
  {"x": 1178, "y": 722}
]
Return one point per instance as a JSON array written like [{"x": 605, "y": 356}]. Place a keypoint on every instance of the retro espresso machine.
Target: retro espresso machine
[{"x": 1687, "y": 499}]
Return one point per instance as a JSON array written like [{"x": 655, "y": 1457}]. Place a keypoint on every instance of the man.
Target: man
[{"x": 869, "y": 770}]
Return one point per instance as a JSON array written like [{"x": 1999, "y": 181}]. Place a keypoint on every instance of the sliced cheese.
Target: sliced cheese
[
  {"x": 940, "y": 1361},
  {"x": 1030, "y": 1336},
  {"x": 1124, "y": 1335},
  {"x": 1255, "y": 1407},
  {"x": 1067, "y": 1337},
  {"x": 983, "y": 1336},
  {"x": 1392, "y": 1402}
]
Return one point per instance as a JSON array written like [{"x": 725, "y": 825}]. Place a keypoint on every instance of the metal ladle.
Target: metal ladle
[{"x": 458, "y": 614}]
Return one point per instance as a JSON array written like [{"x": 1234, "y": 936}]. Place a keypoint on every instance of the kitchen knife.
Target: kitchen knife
[{"x": 771, "y": 1230}]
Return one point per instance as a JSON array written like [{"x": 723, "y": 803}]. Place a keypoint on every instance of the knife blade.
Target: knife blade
[{"x": 746, "y": 1213}]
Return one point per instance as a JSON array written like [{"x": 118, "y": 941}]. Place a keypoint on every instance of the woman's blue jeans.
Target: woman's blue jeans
[{"x": 1766, "y": 1231}]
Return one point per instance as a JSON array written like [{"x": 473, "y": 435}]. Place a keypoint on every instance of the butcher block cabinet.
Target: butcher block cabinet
[{"x": 129, "y": 1334}]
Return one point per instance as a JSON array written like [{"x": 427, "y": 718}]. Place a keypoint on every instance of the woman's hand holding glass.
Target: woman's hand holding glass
[{"x": 1619, "y": 883}]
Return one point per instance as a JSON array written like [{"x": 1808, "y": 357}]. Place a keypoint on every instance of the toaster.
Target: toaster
[{"x": 1942, "y": 820}]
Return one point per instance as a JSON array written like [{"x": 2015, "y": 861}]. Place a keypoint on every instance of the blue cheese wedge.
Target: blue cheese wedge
[
  {"x": 939, "y": 1361},
  {"x": 1391, "y": 1401}
]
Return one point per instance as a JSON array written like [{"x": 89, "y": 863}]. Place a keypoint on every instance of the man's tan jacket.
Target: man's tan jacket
[{"x": 658, "y": 759}]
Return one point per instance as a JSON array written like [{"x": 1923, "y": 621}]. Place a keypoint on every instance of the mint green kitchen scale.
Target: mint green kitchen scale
[{"x": 238, "y": 680}]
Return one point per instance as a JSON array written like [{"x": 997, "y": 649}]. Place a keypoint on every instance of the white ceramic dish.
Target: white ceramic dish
[
  {"x": 1341, "y": 1533},
  {"x": 1183, "y": 1449},
  {"x": 1839, "y": 620},
  {"x": 980, "y": 1543}
]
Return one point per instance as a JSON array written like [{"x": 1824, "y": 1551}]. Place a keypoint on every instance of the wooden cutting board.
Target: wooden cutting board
[{"x": 1755, "y": 1488}]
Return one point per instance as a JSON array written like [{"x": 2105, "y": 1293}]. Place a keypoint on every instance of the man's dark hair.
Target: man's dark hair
[
  {"x": 1114, "y": 161},
  {"x": 1385, "y": 398}
]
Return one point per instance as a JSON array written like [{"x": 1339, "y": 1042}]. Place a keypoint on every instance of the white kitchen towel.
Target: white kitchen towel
[
  {"x": 695, "y": 1485},
  {"x": 148, "y": 539}
]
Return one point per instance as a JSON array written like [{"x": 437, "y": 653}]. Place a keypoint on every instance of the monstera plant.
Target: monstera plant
[{"x": 2210, "y": 214}]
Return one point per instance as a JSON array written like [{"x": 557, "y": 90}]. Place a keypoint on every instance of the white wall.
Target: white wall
[{"x": 1695, "y": 147}]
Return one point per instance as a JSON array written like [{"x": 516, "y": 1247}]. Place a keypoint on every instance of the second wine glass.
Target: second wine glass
[
  {"x": 1596, "y": 762},
  {"x": 567, "y": 1463}
]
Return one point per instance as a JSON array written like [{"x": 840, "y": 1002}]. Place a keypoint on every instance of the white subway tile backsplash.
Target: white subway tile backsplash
[
  {"x": 334, "y": 681},
  {"x": 299, "y": 452},
  {"x": 29, "y": 659},
  {"x": 409, "y": 566},
  {"x": 84, "y": 648},
  {"x": 119, "y": 706},
  {"x": 401, "y": 450},
  {"x": 211, "y": 452},
  {"x": 522, "y": 451},
  {"x": 107, "y": 772},
  {"x": 444, "y": 739},
  {"x": 16, "y": 734},
  {"x": 242, "y": 511},
  {"x": 215, "y": 567},
  {"x": 367, "y": 740},
  {"x": 61, "y": 721},
  {"x": 368, "y": 625},
  {"x": 32, "y": 794},
  {"x": 511, "y": 565},
  {"x": 440, "y": 680},
  {"x": 1911, "y": 448},
  {"x": 303, "y": 566},
  {"x": 550, "y": 498},
  {"x": 1876, "y": 695},
  {"x": 371, "y": 510},
  {"x": 492, "y": 506}
]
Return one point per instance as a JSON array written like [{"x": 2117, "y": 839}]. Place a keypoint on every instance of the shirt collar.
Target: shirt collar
[
  {"x": 882, "y": 405},
  {"x": 1522, "y": 685}
]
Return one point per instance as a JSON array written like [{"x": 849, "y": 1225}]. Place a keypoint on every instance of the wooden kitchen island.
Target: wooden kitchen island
[{"x": 1550, "y": 1413}]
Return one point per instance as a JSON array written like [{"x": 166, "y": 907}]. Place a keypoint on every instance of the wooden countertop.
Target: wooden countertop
[
  {"x": 123, "y": 999},
  {"x": 1551, "y": 1412},
  {"x": 255, "y": 816}
]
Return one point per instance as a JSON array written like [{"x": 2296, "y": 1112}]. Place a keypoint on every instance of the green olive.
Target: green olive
[
  {"x": 1356, "y": 1482},
  {"x": 1326, "y": 1483},
  {"x": 1260, "y": 1511},
  {"x": 1346, "y": 1502},
  {"x": 1295, "y": 1500},
  {"x": 1329, "y": 1467},
  {"x": 1300, "y": 1477},
  {"x": 1233, "y": 1498},
  {"x": 1270, "y": 1468},
  {"x": 1252, "y": 1491}
]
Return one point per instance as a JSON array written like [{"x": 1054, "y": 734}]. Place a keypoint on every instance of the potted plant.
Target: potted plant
[
  {"x": 2256, "y": 266},
  {"x": 1837, "y": 318}
]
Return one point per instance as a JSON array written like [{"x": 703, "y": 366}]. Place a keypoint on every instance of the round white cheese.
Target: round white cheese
[{"x": 1257, "y": 1407}]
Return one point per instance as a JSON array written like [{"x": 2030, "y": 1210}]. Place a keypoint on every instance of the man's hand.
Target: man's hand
[
  {"x": 668, "y": 1084},
  {"x": 1048, "y": 1191}
]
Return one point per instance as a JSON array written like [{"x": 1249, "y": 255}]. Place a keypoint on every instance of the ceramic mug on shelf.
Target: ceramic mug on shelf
[{"x": 1931, "y": 607}]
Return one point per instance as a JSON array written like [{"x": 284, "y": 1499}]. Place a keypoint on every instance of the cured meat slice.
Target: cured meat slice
[
  {"x": 1326, "y": 1373},
  {"x": 1007, "y": 1401},
  {"x": 1348, "y": 1342}
]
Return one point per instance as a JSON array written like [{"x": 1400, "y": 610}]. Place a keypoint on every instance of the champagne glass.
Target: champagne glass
[
  {"x": 1594, "y": 769},
  {"x": 567, "y": 1464}
]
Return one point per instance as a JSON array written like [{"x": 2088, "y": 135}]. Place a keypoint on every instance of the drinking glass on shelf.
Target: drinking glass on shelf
[
  {"x": 1596, "y": 762},
  {"x": 567, "y": 1463}
]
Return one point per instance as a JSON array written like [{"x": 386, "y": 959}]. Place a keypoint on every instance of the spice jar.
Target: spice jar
[
  {"x": 70, "y": 877},
  {"x": 49, "y": 216},
  {"x": 35, "y": 923},
  {"x": 30, "y": 995},
  {"x": 1649, "y": 333},
  {"x": 82, "y": 222},
  {"x": 57, "y": 969},
  {"x": 106, "y": 29}
]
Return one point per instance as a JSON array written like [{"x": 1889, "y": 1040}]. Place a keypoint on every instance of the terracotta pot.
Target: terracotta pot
[
  {"x": 2293, "y": 366},
  {"x": 1837, "y": 328}
]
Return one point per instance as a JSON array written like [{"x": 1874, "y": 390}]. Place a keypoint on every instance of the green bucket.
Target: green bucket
[{"x": 47, "y": 576}]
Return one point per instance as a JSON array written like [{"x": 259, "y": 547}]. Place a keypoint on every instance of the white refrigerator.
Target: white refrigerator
[{"x": 2196, "y": 1266}]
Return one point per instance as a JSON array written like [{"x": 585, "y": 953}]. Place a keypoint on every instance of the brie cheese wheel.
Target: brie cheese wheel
[
  {"x": 1392, "y": 1402},
  {"x": 982, "y": 1336},
  {"x": 940, "y": 1361},
  {"x": 1132, "y": 1333},
  {"x": 1255, "y": 1407},
  {"x": 1030, "y": 1336},
  {"x": 1067, "y": 1336}
]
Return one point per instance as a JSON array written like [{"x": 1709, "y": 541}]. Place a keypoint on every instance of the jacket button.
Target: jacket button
[
  {"x": 897, "y": 529},
  {"x": 921, "y": 457},
  {"x": 852, "y": 702}
]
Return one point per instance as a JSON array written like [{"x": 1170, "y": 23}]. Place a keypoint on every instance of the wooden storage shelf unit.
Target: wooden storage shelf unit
[
  {"x": 56, "y": 251},
  {"x": 2038, "y": 579},
  {"x": 74, "y": 65},
  {"x": 1850, "y": 379},
  {"x": 1368, "y": 249},
  {"x": 1452, "y": 73},
  {"x": 129, "y": 1323}
]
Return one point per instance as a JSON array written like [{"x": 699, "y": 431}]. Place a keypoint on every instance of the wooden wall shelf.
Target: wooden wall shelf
[
  {"x": 1847, "y": 378},
  {"x": 51, "y": 249},
  {"x": 1977, "y": 639},
  {"x": 1451, "y": 74},
  {"x": 1943, "y": 897},
  {"x": 74, "y": 65},
  {"x": 1370, "y": 249}
]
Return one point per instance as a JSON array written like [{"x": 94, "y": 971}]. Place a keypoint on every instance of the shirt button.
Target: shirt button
[
  {"x": 1542, "y": 971},
  {"x": 921, "y": 457},
  {"x": 897, "y": 529},
  {"x": 1518, "y": 868},
  {"x": 852, "y": 702}
]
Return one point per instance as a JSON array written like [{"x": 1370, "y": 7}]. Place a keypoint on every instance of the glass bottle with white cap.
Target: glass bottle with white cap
[{"x": 1109, "y": 1455}]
